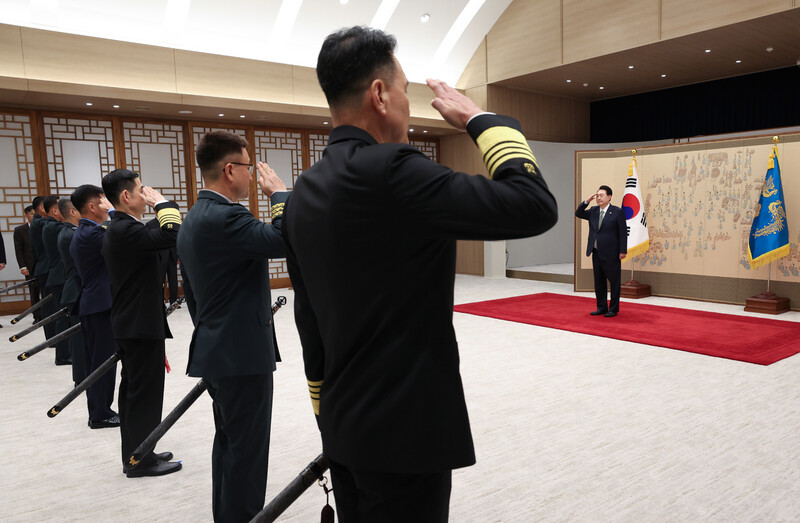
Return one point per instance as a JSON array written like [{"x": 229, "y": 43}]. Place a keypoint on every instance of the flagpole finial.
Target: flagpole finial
[
  {"x": 633, "y": 152},
  {"x": 775, "y": 139}
]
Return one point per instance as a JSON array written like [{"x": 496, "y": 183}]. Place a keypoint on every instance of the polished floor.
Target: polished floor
[{"x": 567, "y": 427}]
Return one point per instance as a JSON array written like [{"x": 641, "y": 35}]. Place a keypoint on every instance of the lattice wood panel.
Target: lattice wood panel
[
  {"x": 317, "y": 143},
  {"x": 78, "y": 151},
  {"x": 428, "y": 147},
  {"x": 156, "y": 151},
  {"x": 17, "y": 190}
]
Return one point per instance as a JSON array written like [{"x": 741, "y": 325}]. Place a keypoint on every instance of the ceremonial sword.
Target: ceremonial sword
[
  {"x": 33, "y": 308},
  {"x": 17, "y": 285}
]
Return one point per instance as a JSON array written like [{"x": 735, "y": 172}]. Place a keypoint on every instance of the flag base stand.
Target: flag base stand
[
  {"x": 634, "y": 289},
  {"x": 767, "y": 303}
]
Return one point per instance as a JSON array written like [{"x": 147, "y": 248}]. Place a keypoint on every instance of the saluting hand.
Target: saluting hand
[
  {"x": 151, "y": 196},
  {"x": 590, "y": 198},
  {"x": 268, "y": 179},
  {"x": 454, "y": 107}
]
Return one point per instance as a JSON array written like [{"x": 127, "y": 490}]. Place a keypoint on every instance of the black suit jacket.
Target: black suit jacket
[
  {"x": 370, "y": 232},
  {"x": 612, "y": 237},
  {"x": 223, "y": 250},
  {"x": 130, "y": 250},
  {"x": 55, "y": 271},
  {"x": 42, "y": 265},
  {"x": 86, "y": 251},
  {"x": 22, "y": 247},
  {"x": 72, "y": 283}
]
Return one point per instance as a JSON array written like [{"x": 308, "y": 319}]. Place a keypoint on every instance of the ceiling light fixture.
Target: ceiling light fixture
[
  {"x": 708, "y": 50},
  {"x": 424, "y": 18},
  {"x": 89, "y": 104},
  {"x": 585, "y": 84},
  {"x": 770, "y": 49},
  {"x": 425, "y": 131},
  {"x": 569, "y": 81},
  {"x": 116, "y": 107},
  {"x": 221, "y": 114},
  {"x": 411, "y": 130},
  {"x": 454, "y": 34},
  {"x": 241, "y": 116},
  {"x": 738, "y": 61},
  {"x": 324, "y": 123},
  {"x": 630, "y": 67},
  {"x": 601, "y": 87},
  {"x": 663, "y": 76},
  {"x": 383, "y": 14},
  {"x": 184, "y": 111}
]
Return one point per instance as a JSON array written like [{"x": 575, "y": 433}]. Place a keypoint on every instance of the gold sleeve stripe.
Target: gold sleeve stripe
[
  {"x": 500, "y": 144},
  {"x": 168, "y": 215},
  {"x": 314, "y": 388},
  {"x": 277, "y": 210}
]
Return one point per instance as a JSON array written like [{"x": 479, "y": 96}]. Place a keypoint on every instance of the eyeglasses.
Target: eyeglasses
[{"x": 248, "y": 165}]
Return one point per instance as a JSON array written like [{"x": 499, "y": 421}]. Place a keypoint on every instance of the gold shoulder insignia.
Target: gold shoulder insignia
[{"x": 530, "y": 168}]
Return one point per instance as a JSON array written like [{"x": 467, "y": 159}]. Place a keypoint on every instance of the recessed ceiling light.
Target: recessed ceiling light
[
  {"x": 708, "y": 50},
  {"x": 770, "y": 49},
  {"x": 324, "y": 123},
  {"x": 184, "y": 111},
  {"x": 411, "y": 130},
  {"x": 585, "y": 84},
  {"x": 425, "y": 131},
  {"x": 630, "y": 67},
  {"x": 569, "y": 81},
  {"x": 424, "y": 18},
  {"x": 663, "y": 76},
  {"x": 116, "y": 107},
  {"x": 89, "y": 103},
  {"x": 241, "y": 116},
  {"x": 221, "y": 114},
  {"x": 601, "y": 87}
]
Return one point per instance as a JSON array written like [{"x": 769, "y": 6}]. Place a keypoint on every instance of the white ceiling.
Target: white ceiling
[{"x": 283, "y": 31}]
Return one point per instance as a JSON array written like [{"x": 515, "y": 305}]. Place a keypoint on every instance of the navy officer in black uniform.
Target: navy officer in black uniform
[
  {"x": 370, "y": 232},
  {"x": 130, "y": 250},
  {"x": 224, "y": 250}
]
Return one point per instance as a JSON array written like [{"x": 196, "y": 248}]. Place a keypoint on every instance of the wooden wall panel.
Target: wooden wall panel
[
  {"x": 460, "y": 153},
  {"x": 526, "y": 38},
  {"x": 479, "y": 95},
  {"x": 94, "y": 61},
  {"x": 684, "y": 17},
  {"x": 543, "y": 117},
  {"x": 12, "y": 63},
  {"x": 601, "y": 27},
  {"x": 305, "y": 87},
  {"x": 475, "y": 72},
  {"x": 229, "y": 77}
]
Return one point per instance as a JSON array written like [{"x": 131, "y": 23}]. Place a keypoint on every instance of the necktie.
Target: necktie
[{"x": 600, "y": 221}]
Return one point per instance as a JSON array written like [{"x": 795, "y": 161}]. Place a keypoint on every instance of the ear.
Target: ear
[
  {"x": 125, "y": 196},
  {"x": 377, "y": 93}
]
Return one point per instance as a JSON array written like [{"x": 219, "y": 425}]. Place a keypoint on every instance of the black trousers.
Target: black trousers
[
  {"x": 141, "y": 392},
  {"x": 58, "y": 326},
  {"x": 387, "y": 497},
  {"x": 240, "y": 455},
  {"x": 99, "y": 346},
  {"x": 34, "y": 290},
  {"x": 77, "y": 350},
  {"x": 610, "y": 270}
]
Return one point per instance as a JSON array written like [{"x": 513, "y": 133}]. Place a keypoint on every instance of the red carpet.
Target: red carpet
[{"x": 743, "y": 338}]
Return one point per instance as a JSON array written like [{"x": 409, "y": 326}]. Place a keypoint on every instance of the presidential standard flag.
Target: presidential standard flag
[
  {"x": 632, "y": 206},
  {"x": 769, "y": 234}
]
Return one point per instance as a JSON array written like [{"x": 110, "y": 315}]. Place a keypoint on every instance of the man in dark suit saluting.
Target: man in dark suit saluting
[
  {"x": 607, "y": 245},
  {"x": 370, "y": 232},
  {"x": 95, "y": 301},
  {"x": 223, "y": 250},
  {"x": 130, "y": 250}
]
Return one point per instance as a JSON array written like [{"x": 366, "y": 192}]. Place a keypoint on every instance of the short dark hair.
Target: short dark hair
[
  {"x": 49, "y": 202},
  {"x": 64, "y": 206},
  {"x": 29, "y": 208},
  {"x": 607, "y": 189},
  {"x": 215, "y": 147},
  {"x": 350, "y": 59},
  {"x": 37, "y": 202},
  {"x": 83, "y": 194},
  {"x": 117, "y": 181}
]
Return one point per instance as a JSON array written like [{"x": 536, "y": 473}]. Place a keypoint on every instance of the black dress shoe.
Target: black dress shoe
[
  {"x": 113, "y": 421},
  {"x": 157, "y": 468},
  {"x": 161, "y": 456},
  {"x": 64, "y": 362},
  {"x": 610, "y": 314},
  {"x": 598, "y": 312}
]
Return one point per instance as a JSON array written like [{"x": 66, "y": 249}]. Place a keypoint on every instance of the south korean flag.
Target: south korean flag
[{"x": 633, "y": 207}]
